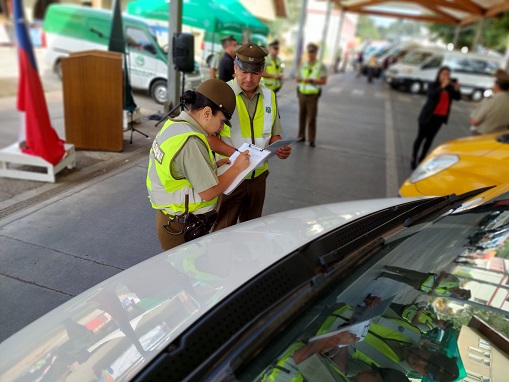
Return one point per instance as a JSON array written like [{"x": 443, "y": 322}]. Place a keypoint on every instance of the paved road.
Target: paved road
[{"x": 59, "y": 240}]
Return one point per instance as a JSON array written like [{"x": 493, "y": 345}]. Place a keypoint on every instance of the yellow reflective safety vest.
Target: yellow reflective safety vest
[
  {"x": 426, "y": 318},
  {"x": 286, "y": 370},
  {"x": 445, "y": 286},
  {"x": 313, "y": 72},
  {"x": 166, "y": 192},
  {"x": 376, "y": 346},
  {"x": 256, "y": 131},
  {"x": 272, "y": 66}
]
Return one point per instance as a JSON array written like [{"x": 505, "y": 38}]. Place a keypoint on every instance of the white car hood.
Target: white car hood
[{"x": 122, "y": 323}]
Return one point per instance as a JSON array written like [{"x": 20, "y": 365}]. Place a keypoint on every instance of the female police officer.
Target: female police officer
[{"x": 182, "y": 171}]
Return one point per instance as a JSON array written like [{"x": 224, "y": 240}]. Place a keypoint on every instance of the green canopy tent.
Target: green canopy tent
[
  {"x": 248, "y": 20},
  {"x": 195, "y": 13}
]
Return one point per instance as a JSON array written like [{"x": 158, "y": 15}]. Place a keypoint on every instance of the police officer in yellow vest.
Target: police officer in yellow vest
[
  {"x": 395, "y": 343},
  {"x": 444, "y": 285},
  {"x": 311, "y": 76},
  {"x": 272, "y": 77},
  {"x": 255, "y": 121},
  {"x": 420, "y": 315},
  {"x": 182, "y": 170}
]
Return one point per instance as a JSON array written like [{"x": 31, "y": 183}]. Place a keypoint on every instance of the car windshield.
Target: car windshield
[
  {"x": 471, "y": 246},
  {"x": 416, "y": 58}
]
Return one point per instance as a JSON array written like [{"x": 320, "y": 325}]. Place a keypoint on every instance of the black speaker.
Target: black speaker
[{"x": 183, "y": 52}]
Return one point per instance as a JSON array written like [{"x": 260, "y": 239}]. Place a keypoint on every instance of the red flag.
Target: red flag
[{"x": 41, "y": 139}]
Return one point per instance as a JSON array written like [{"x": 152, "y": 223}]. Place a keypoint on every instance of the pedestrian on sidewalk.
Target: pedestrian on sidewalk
[
  {"x": 435, "y": 112},
  {"x": 312, "y": 75},
  {"x": 182, "y": 182}
]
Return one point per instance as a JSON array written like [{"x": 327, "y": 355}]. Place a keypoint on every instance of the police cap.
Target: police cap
[
  {"x": 220, "y": 93},
  {"x": 274, "y": 44},
  {"x": 250, "y": 57},
  {"x": 312, "y": 47}
]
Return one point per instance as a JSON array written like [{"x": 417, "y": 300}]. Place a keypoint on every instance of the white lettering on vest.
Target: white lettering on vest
[{"x": 158, "y": 153}]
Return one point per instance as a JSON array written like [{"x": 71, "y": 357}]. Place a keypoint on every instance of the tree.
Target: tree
[
  {"x": 366, "y": 28},
  {"x": 494, "y": 36}
]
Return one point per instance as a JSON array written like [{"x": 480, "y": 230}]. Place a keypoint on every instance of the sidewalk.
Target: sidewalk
[{"x": 17, "y": 194}]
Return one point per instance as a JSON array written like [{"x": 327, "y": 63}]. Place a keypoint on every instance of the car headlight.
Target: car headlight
[{"x": 433, "y": 166}]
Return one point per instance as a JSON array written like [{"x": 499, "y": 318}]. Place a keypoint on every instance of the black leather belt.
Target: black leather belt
[{"x": 181, "y": 218}]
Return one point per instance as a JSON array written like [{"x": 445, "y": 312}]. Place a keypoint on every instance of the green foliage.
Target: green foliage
[
  {"x": 366, "y": 28},
  {"x": 495, "y": 320},
  {"x": 494, "y": 36}
]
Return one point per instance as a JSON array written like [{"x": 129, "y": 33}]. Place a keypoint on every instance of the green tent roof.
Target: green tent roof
[{"x": 209, "y": 15}]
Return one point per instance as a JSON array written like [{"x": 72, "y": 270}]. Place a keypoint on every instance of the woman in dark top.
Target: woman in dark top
[{"x": 435, "y": 112}]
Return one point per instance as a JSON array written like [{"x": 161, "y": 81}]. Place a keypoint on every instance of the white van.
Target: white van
[
  {"x": 419, "y": 67},
  {"x": 72, "y": 28}
]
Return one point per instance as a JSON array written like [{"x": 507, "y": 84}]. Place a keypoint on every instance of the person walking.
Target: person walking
[
  {"x": 181, "y": 176},
  {"x": 444, "y": 284},
  {"x": 492, "y": 115},
  {"x": 434, "y": 113},
  {"x": 225, "y": 69},
  {"x": 272, "y": 76},
  {"x": 311, "y": 77},
  {"x": 255, "y": 121}
]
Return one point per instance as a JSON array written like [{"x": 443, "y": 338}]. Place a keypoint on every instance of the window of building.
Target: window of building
[{"x": 484, "y": 344}]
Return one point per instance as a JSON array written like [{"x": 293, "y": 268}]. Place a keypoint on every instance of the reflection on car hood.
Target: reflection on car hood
[{"x": 112, "y": 330}]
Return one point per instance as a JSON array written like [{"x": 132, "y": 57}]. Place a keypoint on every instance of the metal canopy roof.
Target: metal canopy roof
[{"x": 459, "y": 12}]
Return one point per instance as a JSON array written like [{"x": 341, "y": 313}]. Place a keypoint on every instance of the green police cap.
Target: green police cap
[
  {"x": 274, "y": 44},
  {"x": 219, "y": 93},
  {"x": 250, "y": 57}
]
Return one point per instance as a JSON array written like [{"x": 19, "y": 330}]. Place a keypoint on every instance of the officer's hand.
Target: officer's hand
[
  {"x": 222, "y": 161},
  {"x": 242, "y": 161},
  {"x": 283, "y": 152}
]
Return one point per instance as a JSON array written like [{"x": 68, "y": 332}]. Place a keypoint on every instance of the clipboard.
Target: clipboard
[
  {"x": 276, "y": 145},
  {"x": 360, "y": 321},
  {"x": 256, "y": 156}
]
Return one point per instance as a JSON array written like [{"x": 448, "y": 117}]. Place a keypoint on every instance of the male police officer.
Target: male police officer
[
  {"x": 273, "y": 74},
  {"x": 255, "y": 121},
  {"x": 312, "y": 75}
]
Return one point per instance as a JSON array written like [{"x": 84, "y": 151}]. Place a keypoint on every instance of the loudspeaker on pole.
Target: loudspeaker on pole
[{"x": 183, "y": 52}]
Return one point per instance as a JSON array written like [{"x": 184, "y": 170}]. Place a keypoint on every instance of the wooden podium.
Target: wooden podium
[{"x": 93, "y": 100}]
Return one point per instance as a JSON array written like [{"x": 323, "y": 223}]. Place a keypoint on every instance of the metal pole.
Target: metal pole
[
  {"x": 174, "y": 27},
  {"x": 300, "y": 39},
  {"x": 325, "y": 32},
  {"x": 457, "y": 31},
  {"x": 478, "y": 31},
  {"x": 337, "y": 43}
]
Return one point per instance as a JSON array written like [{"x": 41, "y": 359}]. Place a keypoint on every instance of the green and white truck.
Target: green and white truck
[{"x": 71, "y": 28}]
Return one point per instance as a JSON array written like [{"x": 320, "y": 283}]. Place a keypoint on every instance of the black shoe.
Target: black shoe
[
  {"x": 301, "y": 139},
  {"x": 311, "y": 144}
]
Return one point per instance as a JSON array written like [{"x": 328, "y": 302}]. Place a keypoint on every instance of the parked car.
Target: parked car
[
  {"x": 461, "y": 165},
  {"x": 227, "y": 305},
  {"x": 475, "y": 72}
]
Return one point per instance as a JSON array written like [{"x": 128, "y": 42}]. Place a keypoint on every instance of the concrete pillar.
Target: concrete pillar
[
  {"x": 323, "y": 45},
  {"x": 299, "y": 45},
  {"x": 457, "y": 31},
  {"x": 478, "y": 32},
  {"x": 338, "y": 36}
]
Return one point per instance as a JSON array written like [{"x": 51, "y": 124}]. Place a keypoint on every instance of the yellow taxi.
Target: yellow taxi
[{"x": 461, "y": 165}]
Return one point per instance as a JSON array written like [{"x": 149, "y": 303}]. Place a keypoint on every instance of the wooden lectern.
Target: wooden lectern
[{"x": 93, "y": 100}]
